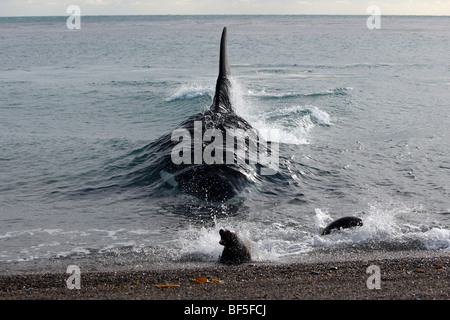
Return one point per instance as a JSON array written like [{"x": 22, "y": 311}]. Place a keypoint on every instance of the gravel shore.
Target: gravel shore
[{"x": 399, "y": 279}]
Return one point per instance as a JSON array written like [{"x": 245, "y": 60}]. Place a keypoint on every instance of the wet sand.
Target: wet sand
[{"x": 400, "y": 279}]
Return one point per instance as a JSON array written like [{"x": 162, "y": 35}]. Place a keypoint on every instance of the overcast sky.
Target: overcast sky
[{"x": 149, "y": 7}]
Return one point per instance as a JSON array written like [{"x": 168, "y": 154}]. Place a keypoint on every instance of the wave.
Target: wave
[
  {"x": 294, "y": 123},
  {"x": 282, "y": 71},
  {"x": 312, "y": 112},
  {"x": 193, "y": 91},
  {"x": 383, "y": 231},
  {"x": 270, "y": 95},
  {"x": 135, "y": 83},
  {"x": 303, "y": 71},
  {"x": 190, "y": 92}
]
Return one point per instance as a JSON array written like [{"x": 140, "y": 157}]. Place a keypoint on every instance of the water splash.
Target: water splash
[
  {"x": 294, "y": 123},
  {"x": 191, "y": 91}
]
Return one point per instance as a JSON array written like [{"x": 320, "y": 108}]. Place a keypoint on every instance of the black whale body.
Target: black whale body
[
  {"x": 211, "y": 182},
  {"x": 342, "y": 223}
]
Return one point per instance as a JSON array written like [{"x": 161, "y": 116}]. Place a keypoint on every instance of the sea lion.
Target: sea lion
[
  {"x": 343, "y": 223},
  {"x": 236, "y": 250}
]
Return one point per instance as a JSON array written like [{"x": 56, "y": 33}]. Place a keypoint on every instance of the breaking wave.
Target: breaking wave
[{"x": 191, "y": 91}]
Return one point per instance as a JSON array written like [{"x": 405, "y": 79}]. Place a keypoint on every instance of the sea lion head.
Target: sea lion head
[{"x": 227, "y": 237}]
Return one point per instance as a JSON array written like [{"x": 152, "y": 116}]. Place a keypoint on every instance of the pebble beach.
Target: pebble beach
[{"x": 423, "y": 278}]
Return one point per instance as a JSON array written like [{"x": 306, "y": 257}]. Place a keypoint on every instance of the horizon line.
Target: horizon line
[{"x": 232, "y": 14}]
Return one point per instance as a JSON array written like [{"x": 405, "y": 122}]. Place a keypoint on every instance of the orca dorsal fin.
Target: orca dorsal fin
[
  {"x": 222, "y": 101},
  {"x": 224, "y": 69}
]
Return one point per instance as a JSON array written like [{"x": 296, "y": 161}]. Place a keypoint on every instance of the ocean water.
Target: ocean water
[{"x": 363, "y": 116}]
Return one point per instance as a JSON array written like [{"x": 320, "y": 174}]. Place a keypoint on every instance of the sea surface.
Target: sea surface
[{"x": 363, "y": 117}]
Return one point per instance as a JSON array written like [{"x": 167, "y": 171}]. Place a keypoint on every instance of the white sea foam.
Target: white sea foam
[
  {"x": 435, "y": 238},
  {"x": 320, "y": 116},
  {"x": 383, "y": 229},
  {"x": 294, "y": 123},
  {"x": 292, "y": 94},
  {"x": 200, "y": 243},
  {"x": 191, "y": 91}
]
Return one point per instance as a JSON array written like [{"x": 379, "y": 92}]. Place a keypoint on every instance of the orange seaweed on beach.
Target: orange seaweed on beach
[
  {"x": 167, "y": 285},
  {"x": 200, "y": 280},
  {"x": 205, "y": 280}
]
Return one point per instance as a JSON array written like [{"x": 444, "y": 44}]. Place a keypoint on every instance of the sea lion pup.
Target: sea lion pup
[
  {"x": 236, "y": 250},
  {"x": 343, "y": 223}
]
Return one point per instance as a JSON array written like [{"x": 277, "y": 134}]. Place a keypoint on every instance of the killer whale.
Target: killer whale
[{"x": 174, "y": 160}]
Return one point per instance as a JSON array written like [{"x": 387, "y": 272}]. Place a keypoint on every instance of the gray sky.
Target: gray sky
[{"x": 150, "y": 7}]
